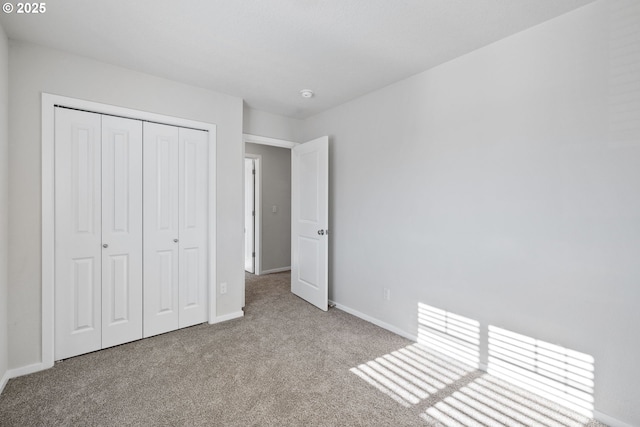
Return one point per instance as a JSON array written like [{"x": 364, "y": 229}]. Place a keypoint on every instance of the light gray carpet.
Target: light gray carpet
[{"x": 285, "y": 363}]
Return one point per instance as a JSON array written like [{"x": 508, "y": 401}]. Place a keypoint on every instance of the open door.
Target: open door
[
  {"x": 310, "y": 222},
  {"x": 249, "y": 215}
]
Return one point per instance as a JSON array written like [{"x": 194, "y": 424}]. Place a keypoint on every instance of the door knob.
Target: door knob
[
  {"x": 175, "y": 240},
  {"x": 105, "y": 246},
  {"x": 321, "y": 232}
]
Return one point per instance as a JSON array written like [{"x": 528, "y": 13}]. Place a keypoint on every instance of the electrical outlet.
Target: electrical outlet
[
  {"x": 223, "y": 287},
  {"x": 386, "y": 294}
]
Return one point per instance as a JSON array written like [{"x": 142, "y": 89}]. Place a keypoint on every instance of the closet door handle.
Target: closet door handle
[
  {"x": 175, "y": 240},
  {"x": 105, "y": 246}
]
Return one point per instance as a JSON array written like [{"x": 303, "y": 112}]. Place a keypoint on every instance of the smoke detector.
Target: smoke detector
[{"x": 306, "y": 93}]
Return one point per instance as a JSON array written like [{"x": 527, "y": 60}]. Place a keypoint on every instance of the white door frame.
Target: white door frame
[
  {"x": 49, "y": 102},
  {"x": 249, "y": 215},
  {"x": 262, "y": 140},
  {"x": 257, "y": 219}
]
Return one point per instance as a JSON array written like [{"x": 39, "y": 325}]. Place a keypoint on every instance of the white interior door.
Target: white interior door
[
  {"x": 78, "y": 239},
  {"x": 160, "y": 229},
  {"x": 249, "y": 215},
  {"x": 193, "y": 226},
  {"x": 121, "y": 230},
  {"x": 310, "y": 221}
]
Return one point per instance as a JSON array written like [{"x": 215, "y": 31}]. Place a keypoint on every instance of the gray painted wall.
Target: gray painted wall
[
  {"x": 4, "y": 201},
  {"x": 34, "y": 70},
  {"x": 261, "y": 123},
  {"x": 276, "y": 191},
  {"x": 503, "y": 186}
]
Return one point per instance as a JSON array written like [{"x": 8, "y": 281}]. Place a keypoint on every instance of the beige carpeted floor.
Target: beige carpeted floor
[{"x": 285, "y": 363}]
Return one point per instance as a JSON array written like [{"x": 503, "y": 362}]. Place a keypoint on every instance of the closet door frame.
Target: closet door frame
[{"x": 49, "y": 102}]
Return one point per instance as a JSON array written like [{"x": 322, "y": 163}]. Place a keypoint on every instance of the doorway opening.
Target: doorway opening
[
  {"x": 294, "y": 213},
  {"x": 268, "y": 210}
]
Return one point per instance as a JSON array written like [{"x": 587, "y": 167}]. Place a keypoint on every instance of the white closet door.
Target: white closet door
[
  {"x": 121, "y": 230},
  {"x": 160, "y": 218},
  {"x": 77, "y": 233},
  {"x": 193, "y": 229}
]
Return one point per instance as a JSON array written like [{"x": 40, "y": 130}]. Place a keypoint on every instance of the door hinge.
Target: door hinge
[
  {"x": 253, "y": 213},
  {"x": 253, "y": 171},
  {"x": 253, "y": 254}
]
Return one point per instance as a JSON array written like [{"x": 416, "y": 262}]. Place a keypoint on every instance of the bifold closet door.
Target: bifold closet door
[
  {"x": 161, "y": 237},
  {"x": 98, "y": 231},
  {"x": 78, "y": 233},
  {"x": 193, "y": 226},
  {"x": 175, "y": 227},
  {"x": 121, "y": 230}
]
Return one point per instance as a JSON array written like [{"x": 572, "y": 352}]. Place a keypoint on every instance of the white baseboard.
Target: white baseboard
[
  {"x": 275, "y": 270},
  {"x": 608, "y": 420},
  {"x": 375, "y": 321},
  {"x": 604, "y": 418},
  {"x": 226, "y": 317},
  {"x": 18, "y": 372},
  {"x": 4, "y": 380},
  {"x": 26, "y": 370}
]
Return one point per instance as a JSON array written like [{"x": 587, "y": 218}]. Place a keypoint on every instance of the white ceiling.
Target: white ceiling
[{"x": 266, "y": 51}]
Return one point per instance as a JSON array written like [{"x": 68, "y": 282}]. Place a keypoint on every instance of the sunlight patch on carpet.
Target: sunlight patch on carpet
[{"x": 529, "y": 382}]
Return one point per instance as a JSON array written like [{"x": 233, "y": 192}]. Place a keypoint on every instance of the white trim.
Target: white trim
[
  {"x": 375, "y": 321},
  {"x": 4, "y": 380},
  {"x": 276, "y": 270},
  {"x": 387, "y": 326},
  {"x": 49, "y": 101},
  {"x": 18, "y": 372},
  {"x": 213, "y": 221},
  {"x": 26, "y": 370},
  {"x": 263, "y": 140},
  {"x": 48, "y": 215},
  {"x": 257, "y": 221},
  {"x": 610, "y": 421},
  {"x": 226, "y": 317}
]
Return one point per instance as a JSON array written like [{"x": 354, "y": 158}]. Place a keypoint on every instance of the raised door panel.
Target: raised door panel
[
  {"x": 194, "y": 190},
  {"x": 309, "y": 221},
  {"x": 121, "y": 230},
  {"x": 160, "y": 228},
  {"x": 77, "y": 233}
]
